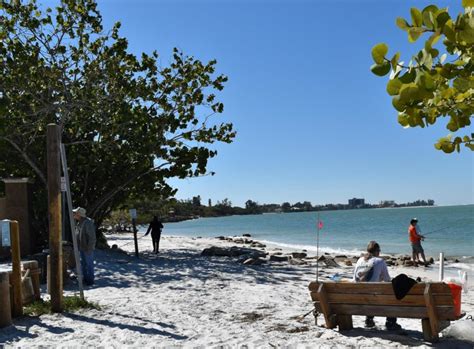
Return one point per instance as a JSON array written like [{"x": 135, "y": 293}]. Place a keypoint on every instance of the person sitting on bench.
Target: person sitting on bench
[{"x": 372, "y": 268}]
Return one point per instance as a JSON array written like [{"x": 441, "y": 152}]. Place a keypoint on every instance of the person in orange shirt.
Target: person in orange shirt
[{"x": 415, "y": 240}]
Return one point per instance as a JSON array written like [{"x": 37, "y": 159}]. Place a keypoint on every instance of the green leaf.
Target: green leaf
[
  {"x": 381, "y": 69},
  {"x": 461, "y": 84},
  {"x": 414, "y": 33},
  {"x": 398, "y": 104},
  {"x": 427, "y": 15},
  {"x": 427, "y": 82},
  {"x": 442, "y": 18},
  {"x": 379, "y": 52},
  {"x": 467, "y": 3},
  {"x": 408, "y": 77},
  {"x": 416, "y": 17},
  {"x": 394, "y": 60},
  {"x": 402, "y": 23},
  {"x": 409, "y": 92},
  {"x": 394, "y": 86}
]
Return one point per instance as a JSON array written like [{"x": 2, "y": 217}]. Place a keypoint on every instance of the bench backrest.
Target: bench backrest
[{"x": 378, "y": 299}]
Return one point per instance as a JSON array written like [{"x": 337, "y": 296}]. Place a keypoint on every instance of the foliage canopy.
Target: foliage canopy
[
  {"x": 127, "y": 122},
  {"x": 434, "y": 84}
]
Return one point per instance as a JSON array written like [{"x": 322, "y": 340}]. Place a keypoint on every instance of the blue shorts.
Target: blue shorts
[{"x": 416, "y": 247}]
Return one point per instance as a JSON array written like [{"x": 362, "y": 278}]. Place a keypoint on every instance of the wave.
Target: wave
[{"x": 312, "y": 248}]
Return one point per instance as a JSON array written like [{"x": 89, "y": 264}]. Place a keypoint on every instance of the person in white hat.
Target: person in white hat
[{"x": 86, "y": 238}]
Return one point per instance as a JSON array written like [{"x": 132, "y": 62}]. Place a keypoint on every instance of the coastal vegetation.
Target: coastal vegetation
[
  {"x": 177, "y": 210},
  {"x": 436, "y": 83},
  {"x": 128, "y": 122}
]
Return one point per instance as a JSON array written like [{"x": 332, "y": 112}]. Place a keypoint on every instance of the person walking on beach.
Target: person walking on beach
[
  {"x": 155, "y": 228},
  {"x": 86, "y": 238},
  {"x": 415, "y": 239},
  {"x": 371, "y": 268}
]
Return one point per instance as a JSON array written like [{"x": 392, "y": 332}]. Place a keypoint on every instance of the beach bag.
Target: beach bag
[{"x": 364, "y": 270}]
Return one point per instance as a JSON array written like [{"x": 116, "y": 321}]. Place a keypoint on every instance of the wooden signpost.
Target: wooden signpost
[{"x": 133, "y": 214}]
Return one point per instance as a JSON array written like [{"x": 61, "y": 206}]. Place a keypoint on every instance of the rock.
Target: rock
[
  {"x": 221, "y": 238},
  {"x": 341, "y": 256},
  {"x": 247, "y": 235},
  {"x": 276, "y": 253},
  {"x": 298, "y": 255},
  {"x": 233, "y": 251},
  {"x": 254, "y": 261},
  {"x": 408, "y": 263},
  {"x": 297, "y": 261},
  {"x": 276, "y": 258},
  {"x": 348, "y": 262},
  {"x": 330, "y": 262},
  {"x": 389, "y": 262},
  {"x": 456, "y": 260}
]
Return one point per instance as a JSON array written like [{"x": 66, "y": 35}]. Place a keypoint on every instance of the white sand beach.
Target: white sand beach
[{"x": 180, "y": 298}]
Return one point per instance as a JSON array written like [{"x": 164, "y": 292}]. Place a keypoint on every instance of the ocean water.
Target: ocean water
[{"x": 448, "y": 229}]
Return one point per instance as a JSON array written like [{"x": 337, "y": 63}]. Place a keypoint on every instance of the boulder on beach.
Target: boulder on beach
[
  {"x": 298, "y": 255},
  {"x": 233, "y": 251},
  {"x": 254, "y": 261},
  {"x": 297, "y": 261},
  {"x": 276, "y": 258}
]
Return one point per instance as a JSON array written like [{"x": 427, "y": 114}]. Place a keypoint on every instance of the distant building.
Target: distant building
[
  {"x": 356, "y": 203},
  {"x": 387, "y": 203}
]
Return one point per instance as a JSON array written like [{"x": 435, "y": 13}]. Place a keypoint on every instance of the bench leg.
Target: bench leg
[
  {"x": 344, "y": 322},
  {"x": 428, "y": 335}
]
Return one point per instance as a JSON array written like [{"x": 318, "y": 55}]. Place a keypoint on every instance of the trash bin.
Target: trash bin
[{"x": 456, "y": 293}]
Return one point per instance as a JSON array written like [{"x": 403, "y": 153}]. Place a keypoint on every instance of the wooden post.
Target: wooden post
[
  {"x": 34, "y": 274},
  {"x": 5, "y": 314},
  {"x": 441, "y": 266},
  {"x": 135, "y": 237},
  {"x": 55, "y": 224},
  {"x": 17, "y": 306}
]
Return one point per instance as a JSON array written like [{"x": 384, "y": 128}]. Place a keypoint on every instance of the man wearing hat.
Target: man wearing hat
[
  {"x": 86, "y": 238},
  {"x": 415, "y": 239}
]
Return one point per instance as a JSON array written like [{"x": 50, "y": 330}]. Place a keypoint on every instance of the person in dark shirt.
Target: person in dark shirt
[{"x": 155, "y": 228}]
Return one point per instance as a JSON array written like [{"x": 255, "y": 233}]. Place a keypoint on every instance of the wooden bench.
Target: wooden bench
[{"x": 430, "y": 302}]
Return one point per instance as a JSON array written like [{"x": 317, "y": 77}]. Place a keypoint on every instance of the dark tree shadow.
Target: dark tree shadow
[
  {"x": 22, "y": 326},
  {"x": 140, "y": 329}
]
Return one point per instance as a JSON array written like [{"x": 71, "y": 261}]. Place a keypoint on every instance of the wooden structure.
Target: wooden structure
[
  {"x": 430, "y": 302},
  {"x": 5, "y": 304},
  {"x": 53, "y": 137}
]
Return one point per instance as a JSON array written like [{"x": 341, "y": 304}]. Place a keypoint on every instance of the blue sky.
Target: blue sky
[{"x": 313, "y": 122}]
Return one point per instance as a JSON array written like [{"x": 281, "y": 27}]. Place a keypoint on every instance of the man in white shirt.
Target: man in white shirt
[{"x": 372, "y": 268}]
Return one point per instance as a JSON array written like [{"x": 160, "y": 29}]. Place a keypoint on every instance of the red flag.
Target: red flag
[{"x": 320, "y": 224}]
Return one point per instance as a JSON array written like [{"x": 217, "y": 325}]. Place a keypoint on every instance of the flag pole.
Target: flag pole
[{"x": 317, "y": 250}]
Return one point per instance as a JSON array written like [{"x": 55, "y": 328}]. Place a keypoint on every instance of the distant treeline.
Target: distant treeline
[{"x": 177, "y": 210}]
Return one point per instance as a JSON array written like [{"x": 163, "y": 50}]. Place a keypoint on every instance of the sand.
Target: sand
[{"x": 179, "y": 298}]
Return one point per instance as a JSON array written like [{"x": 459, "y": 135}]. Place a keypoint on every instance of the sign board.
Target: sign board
[
  {"x": 5, "y": 233},
  {"x": 63, "y": 184},
  {"x": 133, "y": 213}
]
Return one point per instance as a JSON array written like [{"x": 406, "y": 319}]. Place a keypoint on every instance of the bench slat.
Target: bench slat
[
  {"x": 376, "y": 288},
  {"x": 443, "y": 312},
  {"x": 383, "y": 299}
]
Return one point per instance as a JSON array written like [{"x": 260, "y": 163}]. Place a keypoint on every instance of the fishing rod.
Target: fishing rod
[{"x": 434, "y": 231}]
